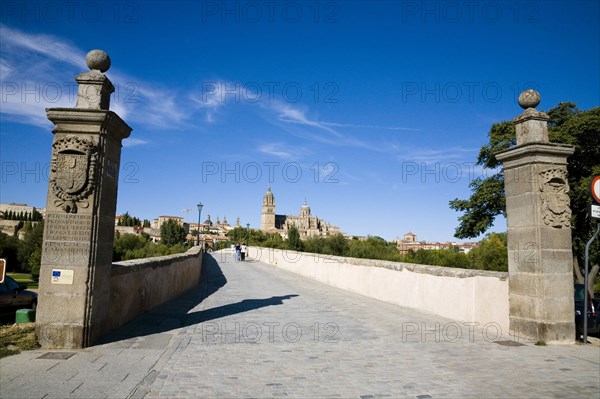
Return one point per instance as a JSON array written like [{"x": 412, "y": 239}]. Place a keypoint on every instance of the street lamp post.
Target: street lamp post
[
  {"x": 248, "y": 232},
  {"x": 200, "y": 206}
]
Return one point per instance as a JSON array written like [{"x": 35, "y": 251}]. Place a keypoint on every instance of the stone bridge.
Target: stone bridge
[{"x": 252, "y": 330}]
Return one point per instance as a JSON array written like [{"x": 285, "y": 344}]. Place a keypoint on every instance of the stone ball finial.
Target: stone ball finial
[
  {"x": 98, "y": 59},
  {"x": 529, "y": 99}
]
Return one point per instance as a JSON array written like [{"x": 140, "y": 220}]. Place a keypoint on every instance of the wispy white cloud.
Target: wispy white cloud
[
  {"x": 280, "y": 150},
  {"x": 46, "y": 64},
  {"x": 288, "y": 113},
  {"x": 133, "y": 142},
  {"x": 211, "y": 100},
  {"x": 5, "y": 69},
  {"x": 46, "y": 45},
  {"x": 433, "y": 155},
  {"x": 295, "y": 120},
  {"x": 37, "y": 72},
  {"x": 351, "y": 125}
]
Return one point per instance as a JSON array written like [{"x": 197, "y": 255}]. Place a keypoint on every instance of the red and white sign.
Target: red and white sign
[
  {"x": 2, "y": 270},
  {"x": 595, "y": 211},
  {"x": 595, "y": 188}
]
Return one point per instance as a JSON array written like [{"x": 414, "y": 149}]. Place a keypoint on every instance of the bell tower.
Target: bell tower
[
  {"x": 267, "y": 218},
  {"x": 305, "y": 210}
]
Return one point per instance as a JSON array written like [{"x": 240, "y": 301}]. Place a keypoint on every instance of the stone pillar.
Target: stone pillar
[
  {"x": 540, "y": 260},
  {"x": 74, "y": 289}
]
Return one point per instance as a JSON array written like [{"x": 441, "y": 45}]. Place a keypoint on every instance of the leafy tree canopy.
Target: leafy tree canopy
[
  {"x": 171, "y": 233},
  {"x": 293, "y": 241}
]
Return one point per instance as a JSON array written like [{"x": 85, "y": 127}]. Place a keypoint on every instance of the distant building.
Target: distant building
[
  {"x": 20, "y": 208},
  {"x": 307, "y": 224},
  {"x": 210, "y": 233},
  {"x": 10, "y": 227},
  {"x": 409, "y": 243},
  {"x": 156, "y": 223}
]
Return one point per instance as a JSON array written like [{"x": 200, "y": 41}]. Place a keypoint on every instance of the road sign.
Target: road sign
[
  {"x": 595, "y": 188},
  {"x": 595, "y": 211},
  {"x": 2, "y": 270}
]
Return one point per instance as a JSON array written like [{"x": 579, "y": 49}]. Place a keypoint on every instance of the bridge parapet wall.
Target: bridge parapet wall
[
  {"x": 476, "y": 296},
  {"x": 139, "y": 285}
]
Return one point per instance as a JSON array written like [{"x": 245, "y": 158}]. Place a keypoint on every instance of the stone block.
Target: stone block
[
  {"x": 522, "y": 237},
  {"x": 524, "y": 261},
  {"x": 557, "y": 286},
  {"x": 520, "y": 180},
  {"x": 558, "y": 262},
  {"x": 527, "y": 330},
  {"x": 555, "y": 238},
  {"x": 68, "y": 308},
  {"x": 559, "y": 333},
  {"x": 534, "y": 330},
  {"x": 59, "y": 335},
  {"x": 560, "y": 309},
  {"x": 532, "y": 130},
  {"x": 525, "y": 284},
  {"x": 523, "y": 306},
  {"x": 521, "y": 211}
]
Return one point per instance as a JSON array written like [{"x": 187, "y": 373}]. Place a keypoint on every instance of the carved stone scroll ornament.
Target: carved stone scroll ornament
[
  {"x": 556, "y": 209},
  {"x": 73, "y": 169}
]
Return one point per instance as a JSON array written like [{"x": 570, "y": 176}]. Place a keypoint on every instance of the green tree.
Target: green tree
[
  {"x": 273, "y": 240},
  {"x": 171, "y": 233},
  {"x": 9, "y": 250},
  {"x": 567, "y": 125},
  {"x": 34, "y": 263},
  {"x": 337, "y": 245},
  {"x": 26, "y": 227},
  {"x": 30, "y": 251},
  {"x": 293, "y": 241},
  {"x": 373, "y": 248},
  {"x": 36, "y": 216},
  {"x": 237, "y": 235},
  {"x": 126, "y": 243},
  {"x": 491, "y": 254},
  {"x": 315, "y": 245}
]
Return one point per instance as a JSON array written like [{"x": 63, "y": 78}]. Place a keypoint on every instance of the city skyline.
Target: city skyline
[{"x": 370, "y": 111}]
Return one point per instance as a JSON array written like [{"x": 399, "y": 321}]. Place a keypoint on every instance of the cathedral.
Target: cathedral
[{"x": 307, "y": 225}]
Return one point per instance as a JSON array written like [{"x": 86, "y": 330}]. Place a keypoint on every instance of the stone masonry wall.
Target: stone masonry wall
[
  {"x": 141, "y": 284},
  {"x": 466, "y": 295}
]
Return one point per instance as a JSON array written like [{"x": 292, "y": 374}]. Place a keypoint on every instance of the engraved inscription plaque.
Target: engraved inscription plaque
[{"x": 68, "y": 227}]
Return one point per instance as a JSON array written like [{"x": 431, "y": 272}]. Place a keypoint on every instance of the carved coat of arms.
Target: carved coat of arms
[
  {"x": 73, "y": 176},
  {"x": 556, "y": 205}
]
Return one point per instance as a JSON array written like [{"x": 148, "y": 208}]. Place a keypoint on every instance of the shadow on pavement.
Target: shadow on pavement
[
  {"x": 172, "y": 314},
  {"x": 238, "y": 307}
]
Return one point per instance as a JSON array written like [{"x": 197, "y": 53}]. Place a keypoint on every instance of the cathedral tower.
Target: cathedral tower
[
  {"x": 267, "y": 218},
  {"x": 305, "y": 210}
]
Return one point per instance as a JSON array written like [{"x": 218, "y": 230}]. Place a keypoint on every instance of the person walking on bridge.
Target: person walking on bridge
[
  {"x": 243, "y": 250},
  {"x": 238, "y": 252}
]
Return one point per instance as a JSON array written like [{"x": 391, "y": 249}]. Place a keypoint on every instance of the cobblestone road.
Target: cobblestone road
[
  {"x": 269, "y": 333},
  {"x": 251, "y": 330}
]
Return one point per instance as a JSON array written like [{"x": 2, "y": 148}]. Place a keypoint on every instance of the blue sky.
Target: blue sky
[{"x": 372, "y": 111}]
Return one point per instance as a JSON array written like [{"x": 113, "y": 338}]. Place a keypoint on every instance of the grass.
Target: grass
[
  {"x": 16, "y": 338},
  {"x": 24, "y": 278}
]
